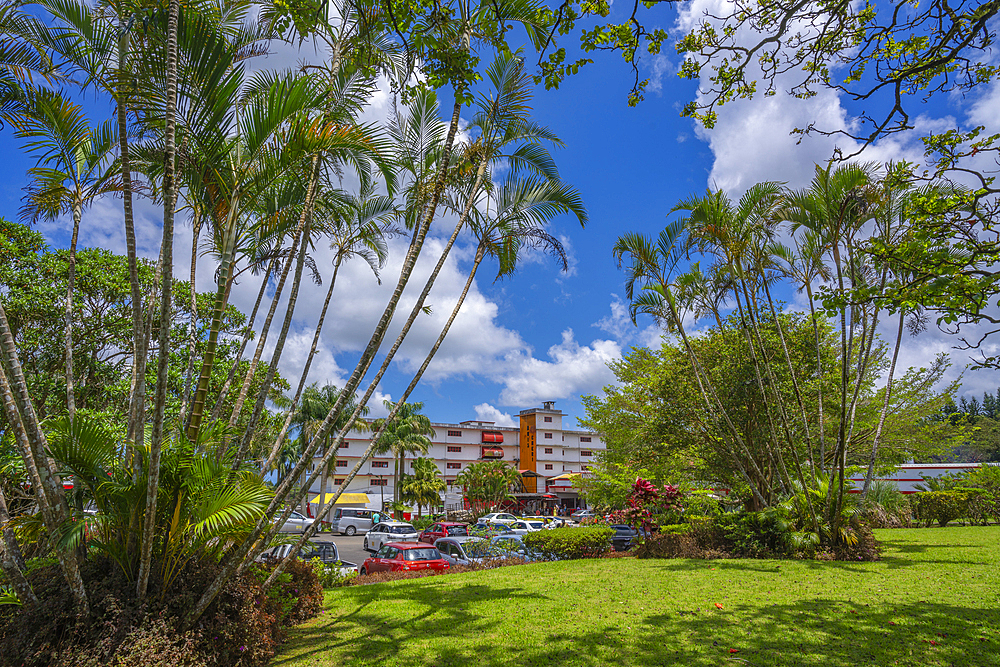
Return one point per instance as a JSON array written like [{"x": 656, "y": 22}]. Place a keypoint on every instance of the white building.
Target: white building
[{"x": 546, "y": 454}]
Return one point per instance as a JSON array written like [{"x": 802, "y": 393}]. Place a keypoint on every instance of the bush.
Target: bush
[
  {"x": 330, "y": 576},
  {"x": 943, "y": 506},
  {"x": 241, "y": 628},
  {"x": 754, "y": 534},
  {"x": 669, "y": 545},
  {"x": 569, "y": 543}
]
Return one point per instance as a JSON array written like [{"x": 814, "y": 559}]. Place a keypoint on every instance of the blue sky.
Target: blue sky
[{"x": 543, "y": 334}]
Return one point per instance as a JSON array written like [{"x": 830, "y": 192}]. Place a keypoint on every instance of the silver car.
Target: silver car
[
  {"x": 466, "y": 550},
  {"x": 390, "y": 531},
  {"x": 296, "y": 523},
  {"x": 351, "y": 521}
]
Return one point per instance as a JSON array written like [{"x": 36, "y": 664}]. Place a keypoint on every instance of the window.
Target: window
[
  {"x": 454, "y": 449},
  {"x": 548, "y": 436},
  {"x": 586, "y": 452},
  {"x": 338, "y": 481},
  {"x": 548, "y": 419},
  {"x": 380, "y": 482},
  {"x": 548, "y": 450},
  {"x": 378, "y": 464},
  {"x": 344, "y": 444},
  {"x": 548, "y": 466},
  {"x": 341, "y": 463},
  {"x": 454, "y": 434},
  {"x": 584, "y": 438},
  {"x": 454, "y": 466},
  {"x": 450, "y": 482}
]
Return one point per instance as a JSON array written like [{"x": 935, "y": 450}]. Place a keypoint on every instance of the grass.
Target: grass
[{"x": 931, "y": 600}]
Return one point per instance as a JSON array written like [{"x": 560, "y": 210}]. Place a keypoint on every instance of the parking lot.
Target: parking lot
[{"x": 349, "y": 548}]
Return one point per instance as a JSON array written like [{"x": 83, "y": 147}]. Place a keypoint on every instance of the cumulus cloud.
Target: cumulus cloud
[
  {"x": 572, "y": 369},
  {"x": 487, "y": 413}
]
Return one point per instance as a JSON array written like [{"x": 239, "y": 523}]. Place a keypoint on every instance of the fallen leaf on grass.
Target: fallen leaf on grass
[
  {"x": 734, "y": 650},
  {"x": 718, "y": 606}
]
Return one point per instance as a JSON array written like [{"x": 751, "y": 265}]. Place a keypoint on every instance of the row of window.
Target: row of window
[{"x": 341, "y": 463}]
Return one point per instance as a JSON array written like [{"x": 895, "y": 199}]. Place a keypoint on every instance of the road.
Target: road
[{"x": 349, "y": 548}]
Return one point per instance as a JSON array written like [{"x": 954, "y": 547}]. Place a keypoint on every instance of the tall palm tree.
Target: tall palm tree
[
  {"x": 73, "y": 169},
  {"x": 357, "y": 232},
  {"x": 404, "y": 431}
]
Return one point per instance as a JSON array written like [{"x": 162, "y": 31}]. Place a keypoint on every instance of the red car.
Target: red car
[
  {"x": 444, "y": 529},
  {"x": 406, "y": 556}
]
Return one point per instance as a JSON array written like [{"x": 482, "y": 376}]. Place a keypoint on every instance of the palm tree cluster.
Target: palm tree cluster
[
  {"x": 255, "y": 159},
  {"x": 807, "y": 430}
]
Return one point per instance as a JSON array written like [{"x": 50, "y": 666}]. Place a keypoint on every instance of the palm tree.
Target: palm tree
[
  {"x": 404, "y": 431},
  {"x": 487, "y": 483},
  {"x": 359, "y": 235},
  {"x": 73, "y": 169},
  {"x": 424, "y": 486}
]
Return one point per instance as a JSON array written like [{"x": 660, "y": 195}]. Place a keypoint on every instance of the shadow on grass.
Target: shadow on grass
[{"x": 833, "y": 633}]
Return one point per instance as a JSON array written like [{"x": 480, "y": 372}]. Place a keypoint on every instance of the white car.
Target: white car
[
  {"x": 296, "y": 523},
  {"x": 497, "y": 517},
  {"x": 525, "y": 526},
  {"x": 390, "y": 531},
  {"x": 580, "y": 515}
]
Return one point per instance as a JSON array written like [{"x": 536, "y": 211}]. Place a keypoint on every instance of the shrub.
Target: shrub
[
  {"x": 669, "y": 545},
  {"x": 242, "y": 626},
  {"x": 330, "y": 576},
  {"x": 754, "y": 534},
  {"x": 569, "y": 543},
  {"x": 943, "y": 506}
]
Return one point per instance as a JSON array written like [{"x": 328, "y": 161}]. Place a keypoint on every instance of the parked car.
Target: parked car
[
  {"x": 325, "y": 551},
  {"x": 405, "y": 556},
  {"x": 580, "y": 515},
  {"x": 444, "y": 529},
  {"x": 497, "y": 517},
  {"x": 351, "y": 521},
  {"x": 390, "y": 531},
  {"x": 624, "y": 538},
  {"x": 525, "y": 526},
  {"x": 466, "y": 550},
  {"x": 488, "y": 530},
  {"x": 513, "y": 546},
  {"x": 296, "y": 523}
]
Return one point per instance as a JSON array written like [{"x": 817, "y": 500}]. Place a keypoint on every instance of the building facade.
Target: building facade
[{"x": 547, "y": 454}]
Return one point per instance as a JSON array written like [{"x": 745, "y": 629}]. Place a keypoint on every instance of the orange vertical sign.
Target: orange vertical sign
[{"x": 529, "y": 460}]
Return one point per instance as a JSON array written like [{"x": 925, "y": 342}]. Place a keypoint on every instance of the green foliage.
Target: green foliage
[
  {"x": 569, "y": 543},
  {"x": 330, "y": 575},
  {"x": 486, "y": 483},
  {"x": 943, "y": 506}
]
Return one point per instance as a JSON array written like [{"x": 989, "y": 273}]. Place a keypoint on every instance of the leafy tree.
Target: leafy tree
[
  {"x": 423, "y": 487},
  {"x": 405, "y": 431},
  {"x": 487, "y": 483}
]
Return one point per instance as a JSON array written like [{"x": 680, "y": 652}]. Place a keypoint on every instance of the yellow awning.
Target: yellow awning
[
  {"x": 566, "y": 475},
  {"x": 345, "y": 498}
]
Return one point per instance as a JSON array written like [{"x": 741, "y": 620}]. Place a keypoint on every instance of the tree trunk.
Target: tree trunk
[
  {"x": 16, "y": 393},
  {"x": 217, "y": 408},
  {"x": 70, "y": 282},
  {"x": 305, "y": 372},
  {"x": 167, "y": 255},
  {"x": 134, "y": 433},
  {"x": 193, "y": 320},
  {"x": 885, "y": 408},
  {"x": 11, "y": 559},
  {"x": 297, "y": 239},
  {"x": 234, "y": 559}
]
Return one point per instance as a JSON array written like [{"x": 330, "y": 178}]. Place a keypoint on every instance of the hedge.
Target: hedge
[{"x": 569, "y": 543}]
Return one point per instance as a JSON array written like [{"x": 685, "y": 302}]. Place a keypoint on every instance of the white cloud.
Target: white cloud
[
  {"x": 573, "y": 370},
  {"x": 487, "y": 413}
]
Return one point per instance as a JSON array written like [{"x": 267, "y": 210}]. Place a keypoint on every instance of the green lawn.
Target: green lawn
[{"x": 939, "y": 585}]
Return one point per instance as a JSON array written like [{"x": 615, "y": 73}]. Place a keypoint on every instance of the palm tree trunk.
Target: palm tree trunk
[
  {"x": 234, "y": 559},
  {"x": 819, "y": 384},
  {"x": 297, "y": 239},
  {"x": 193, "y": 321},
  {"x": 11, "y": 559},
  {"x": 70, "y": 281},
  {"x": 226, "y": 265},
  {"x": 305, "y": 371},
  {"x": 217, "y": 408},
  {"x": 50, "y": 491},
  {"x": 885, "y": 408},
  {"x": 279, "y": 346},
  {"x": 134, "y": 433},
  {"x": 167, "y": 254}
]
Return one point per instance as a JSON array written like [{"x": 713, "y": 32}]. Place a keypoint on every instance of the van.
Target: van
[{"x": 351, "y": 521}]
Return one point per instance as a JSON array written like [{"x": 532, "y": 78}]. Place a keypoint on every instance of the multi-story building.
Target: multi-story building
[{"x": 546, "y": 454}]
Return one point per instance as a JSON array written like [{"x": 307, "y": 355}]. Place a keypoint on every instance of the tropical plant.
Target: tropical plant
[
  {"x": 423, "y": 487},
  {"x": 486, "y": 483},
  {"x": 405, "y": 431}
]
